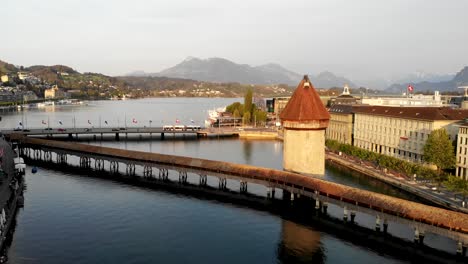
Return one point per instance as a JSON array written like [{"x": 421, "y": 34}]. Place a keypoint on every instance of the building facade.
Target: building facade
[
  {"x": 340, "y": 127},
  {"x": 53, "y": 92},
  {"x": 402, "y": 132},
  {"x": 462, "y": 152}
]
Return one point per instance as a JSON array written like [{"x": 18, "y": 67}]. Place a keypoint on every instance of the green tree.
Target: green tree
[
  {"x": 246, "y": 117},
  {"x": 457, "y": 184},
  {"x": 248, "y": 101},
  {"x": 439, "y": 150}
]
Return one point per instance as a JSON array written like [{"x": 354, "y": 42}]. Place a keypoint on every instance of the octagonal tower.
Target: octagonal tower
[{"x": 304, "y": 121}]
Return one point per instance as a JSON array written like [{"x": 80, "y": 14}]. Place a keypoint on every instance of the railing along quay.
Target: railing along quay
[{"x": 384, "y": 208}]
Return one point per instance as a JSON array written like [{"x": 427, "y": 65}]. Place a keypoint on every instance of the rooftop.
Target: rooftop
[
  {"x": 422, "y": 113},
  {"x": 305, "y": 104}
]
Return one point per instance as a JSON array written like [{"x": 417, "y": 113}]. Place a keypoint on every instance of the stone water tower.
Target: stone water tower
[{"x": 304, "y": 121}]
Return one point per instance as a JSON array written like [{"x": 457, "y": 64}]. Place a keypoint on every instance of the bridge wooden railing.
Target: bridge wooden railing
[{"x": 437, "y": 217}]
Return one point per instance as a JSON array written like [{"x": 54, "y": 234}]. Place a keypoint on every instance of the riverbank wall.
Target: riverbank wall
[{"x": 11, "y": 194}]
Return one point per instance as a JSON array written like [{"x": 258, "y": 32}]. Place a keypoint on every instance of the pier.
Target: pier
[{"x": 295, "y": 187}]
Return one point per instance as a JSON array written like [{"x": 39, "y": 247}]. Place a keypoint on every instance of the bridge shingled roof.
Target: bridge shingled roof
[
  {"x": 305, "y": 104},
  {"x": 442, "y": 218}
]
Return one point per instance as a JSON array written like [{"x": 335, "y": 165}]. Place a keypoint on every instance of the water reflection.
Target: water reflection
[
  {"x": 247, "y": 147},
  {"x": 299, "y": 244}
]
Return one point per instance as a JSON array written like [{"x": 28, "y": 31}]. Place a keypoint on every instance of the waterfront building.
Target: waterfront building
[
  {"x": 341, "y": 124},
  {"x": 53, "y": 92},
  {"x": 4, "y": 78},
  {"x": 304, "y": 120},
  {"x": 462, "y": 152},
  {"x": 417, "y": 100},
  {"x": 402, "y": 132}
]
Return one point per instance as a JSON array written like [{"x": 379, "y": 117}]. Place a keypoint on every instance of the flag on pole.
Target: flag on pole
[
  {"x": 177, "y": 121},
  {"x": 134, "y": 121},
  {"x": 21, "y": 124},
  {"x": 410, "y": 88},
  {"x": 192, "y": 121},
  {"x": 60, "y": 122},
  {"x": 105, "y": 121},
  {"x": 89, "y": 122},
  {"x": 44, "y": 122}
]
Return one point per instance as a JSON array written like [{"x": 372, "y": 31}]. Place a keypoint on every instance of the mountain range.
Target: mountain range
[
  {"x": 224, "y": 71},
  {"x": 449, "y": 84}
]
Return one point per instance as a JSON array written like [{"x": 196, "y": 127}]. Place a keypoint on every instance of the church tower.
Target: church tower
[{"x": 304, "y": 121}]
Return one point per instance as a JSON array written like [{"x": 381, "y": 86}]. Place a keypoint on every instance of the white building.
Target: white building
[
  {"x": 413, "y": 100},
  {"x": 462, "y": 149}
]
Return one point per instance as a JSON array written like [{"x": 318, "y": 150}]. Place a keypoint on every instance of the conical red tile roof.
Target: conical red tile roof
[{"x": 305, "y": 105}]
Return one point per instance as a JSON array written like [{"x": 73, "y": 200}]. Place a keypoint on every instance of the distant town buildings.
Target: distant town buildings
[
  {"x": 4, "y": 78},
  {"x": 412, "y": 100},
  {"x": 53, "y": 92}
]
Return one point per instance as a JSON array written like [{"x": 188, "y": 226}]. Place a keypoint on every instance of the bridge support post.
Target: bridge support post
[
  {"x": 61, "y": 158},
  {"x": 37, "y": 154},
  {"x": 130, "y": 169},
  {"x": 163, "y": 174},
  {"x": 114, "y": 167},
  {"x": 117, "y": 137},
  {"x": 324, "y": 208},
  {"x": 162, "y": 136},
  {"x": 353, "y": 216},
  {"x": 148, "y": 171},
  {"x": 345, "y": 214},
  {"x": 270, "y": 192},
  {"x": 416, "y": 235},
  {"x": 377, "y": 223},
  {"x": 47, "y": 156},
  {"x": 385, "y": 225},
  {"x": 222, "y": 183},
  {"x": 460, "y": 248},
  {"x": 243, "y": 187},
  {"x": 85, "y": 162},
  {"x": 421, "y": 237},
  {"x": 203, "y": 179},
  {"x": 182, "y": 177},
  {"x": 99, "y": 164},
  {"x": 464, "y": 248}
]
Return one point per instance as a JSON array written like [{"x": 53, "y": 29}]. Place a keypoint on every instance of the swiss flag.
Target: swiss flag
[
  {"x": 410, "y": 88},
  {"x": 177, "y": 121},
  {"x": 134, "y": 121}
]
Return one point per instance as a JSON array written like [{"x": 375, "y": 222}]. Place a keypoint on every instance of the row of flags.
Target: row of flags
[{"x": 134, "y": 120}]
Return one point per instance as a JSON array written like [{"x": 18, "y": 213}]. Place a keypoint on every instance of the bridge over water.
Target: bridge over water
[
  {"x": 295, "y": 187},
  {"x": 118, "y": 131}
]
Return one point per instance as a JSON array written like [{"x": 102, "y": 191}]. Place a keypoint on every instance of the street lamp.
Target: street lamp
[{"x": 150, "y": 123}]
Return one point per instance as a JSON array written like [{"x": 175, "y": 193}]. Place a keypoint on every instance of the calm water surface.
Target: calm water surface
[{"x": 69, "y": 218}]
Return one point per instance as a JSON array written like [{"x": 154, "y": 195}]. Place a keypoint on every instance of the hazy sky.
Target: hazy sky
[{"x": 360, "y": 39}]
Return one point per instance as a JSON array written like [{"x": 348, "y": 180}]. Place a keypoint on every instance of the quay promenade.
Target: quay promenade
[{"x": 384, "y": 208}]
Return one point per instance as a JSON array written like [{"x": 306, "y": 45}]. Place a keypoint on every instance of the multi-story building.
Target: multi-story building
[
  {"x": 417, "y": 100},
  {"x": 402, "y": 131},
  {"x": 340, "y": 127},
  {"x": 462, "y": 152}
]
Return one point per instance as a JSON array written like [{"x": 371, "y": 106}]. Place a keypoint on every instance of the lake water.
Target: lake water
[{"x": 70, "y": 218}]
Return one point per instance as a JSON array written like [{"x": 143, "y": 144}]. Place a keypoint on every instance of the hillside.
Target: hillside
[{"x": 460, "y": 79}]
